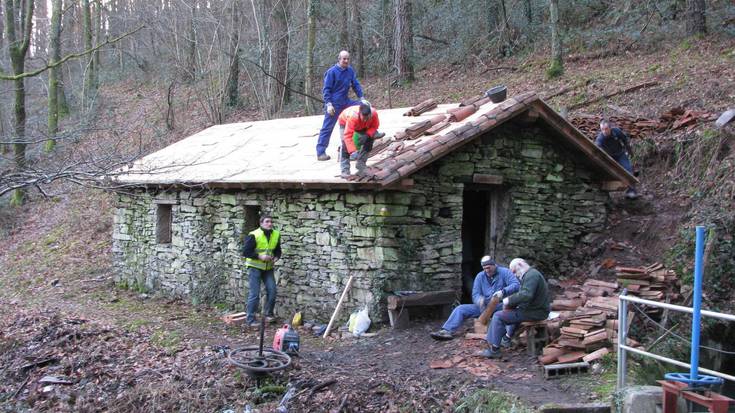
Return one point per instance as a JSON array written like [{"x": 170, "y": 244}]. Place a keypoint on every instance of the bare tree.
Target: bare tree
[
  {"x": 403, "y": 40},
  {"x": 358, "y": 40},
  {"x": 233, "y": 79},
  {"x": 18, "y": 41},
  {"x": 312, "y": 8},
  {"x": 279, "y": 28},
  {"x": 53, "y": 74},
  {"x": 696, "y": 23},
  {"x": 90, "y": 80},
  {"x": 556, "y": 66}
]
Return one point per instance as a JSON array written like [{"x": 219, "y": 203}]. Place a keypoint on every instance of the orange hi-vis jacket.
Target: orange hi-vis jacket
[{"x": 350, "y": 118}]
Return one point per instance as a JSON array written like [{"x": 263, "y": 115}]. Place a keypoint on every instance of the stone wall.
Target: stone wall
[{"x": 390, "y": 240}]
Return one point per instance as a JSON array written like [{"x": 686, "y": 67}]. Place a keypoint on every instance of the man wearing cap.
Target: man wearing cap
[
  {"x": 338, "y": 80},
  {"x": 493, "y": 280},
  {"x": 531, "y": 303},
  {"x": 358, "y": 126}
]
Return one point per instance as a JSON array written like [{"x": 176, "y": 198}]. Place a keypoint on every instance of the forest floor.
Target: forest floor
[{"x": 62, "y": 316}]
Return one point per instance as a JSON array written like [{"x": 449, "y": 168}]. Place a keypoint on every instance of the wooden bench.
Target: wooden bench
[
  {"x": 537, "y": 336},
  {"x": 398, "y": 305}
]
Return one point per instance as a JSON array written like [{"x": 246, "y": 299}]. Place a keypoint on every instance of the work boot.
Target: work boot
[
  {"x": 345, "y": 175},
  {"x": 505, "y": 342},
  {"x": 631, "y": 193},
  {"x": 270, "y": 319},
  {"x": 378, "y": 135},
  {"x": 491, "y": 353},
  {"x": 442, "y": 335},
  {"x": 323, "y": 157}
]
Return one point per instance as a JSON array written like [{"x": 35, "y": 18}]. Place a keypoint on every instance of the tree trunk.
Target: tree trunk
[
  {"x": 344, "y": 34},
  {"x": 312, "y": 8},
  {"x": 556, "y": 66},
  {"x": 97, "y": 22},
  {"x": 696, "y": 23},
  {"x": 280, "y": 47},
  {"x": 233, "y": 77},
  {"x": 403, "y": 40},
  {"x": 191, "y": 55},
  {"x": 53, "y": 75},
  {"x": 17, "y": 50},
  {"x": 90, "y": 83},
  {"x": 358, "y": 41}
]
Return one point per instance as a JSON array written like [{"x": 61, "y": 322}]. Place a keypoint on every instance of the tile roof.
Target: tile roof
[{"x": 280, "y": 153}]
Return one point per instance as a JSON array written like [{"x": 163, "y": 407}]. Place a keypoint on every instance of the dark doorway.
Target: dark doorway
[
  {"x": 483, "y": 223},
  {"x": 475, "y": 217}
]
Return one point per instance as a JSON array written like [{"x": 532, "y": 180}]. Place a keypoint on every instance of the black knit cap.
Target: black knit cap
[{"x": 365, "y": 109}]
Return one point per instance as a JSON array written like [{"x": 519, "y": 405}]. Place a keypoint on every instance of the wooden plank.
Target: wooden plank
[
  {"x": 571, "y": 357},
  {"x": 595, "y": 355},
  {"x": 422, "y": 298},
  {"x": 487, "y": 179}
]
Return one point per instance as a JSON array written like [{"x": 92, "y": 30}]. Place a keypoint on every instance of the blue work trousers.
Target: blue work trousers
[
  {"x": 503, "y": 322},
  {"x": 256, "y": 276},
  {"x": 328, "y": 126},
  {"x": 624, "y": 161},
  {"x": 463, "y": 312}
]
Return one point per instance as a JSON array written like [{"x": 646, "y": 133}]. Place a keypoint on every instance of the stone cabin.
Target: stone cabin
[{"x": 443, "y": 188}]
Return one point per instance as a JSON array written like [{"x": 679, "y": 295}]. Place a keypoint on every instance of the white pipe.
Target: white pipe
[
  {"x": 721, "y": 316},
  {"x": 676, "y": 362}
]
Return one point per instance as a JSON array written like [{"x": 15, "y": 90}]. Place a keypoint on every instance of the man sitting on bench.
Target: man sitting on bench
[
  {"x": 530, "y": 303},
  {"x": 493, "y": 280}
]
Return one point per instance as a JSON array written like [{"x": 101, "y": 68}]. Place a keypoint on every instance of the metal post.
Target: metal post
[
  {"x": 622, "y": 338},
  {"x": 697, "y": 303}
]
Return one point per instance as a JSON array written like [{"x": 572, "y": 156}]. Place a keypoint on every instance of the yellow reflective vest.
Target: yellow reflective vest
[{"x": 263, "y": 246}]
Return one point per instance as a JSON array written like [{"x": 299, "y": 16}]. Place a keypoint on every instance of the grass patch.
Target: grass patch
[
  {"x": 168, "y": 340},
  {"x": 556, "y": 69},
  {"x": 135, "y": 325},
  {"x": 491, "y": 401}
]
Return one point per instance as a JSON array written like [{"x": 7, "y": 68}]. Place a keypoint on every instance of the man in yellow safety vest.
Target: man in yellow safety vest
[{"x": 262, "y": 248}]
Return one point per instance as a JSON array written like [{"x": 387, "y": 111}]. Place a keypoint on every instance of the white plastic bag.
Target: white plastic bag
[{"x": 362, "y": 322}]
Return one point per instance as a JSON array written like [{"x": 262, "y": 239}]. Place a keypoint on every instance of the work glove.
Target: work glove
[
  {"x": 354, "y": 155},
  {"x": 498, "y": 294},
  {"x": 480, "y": 302},
  {"x": 364, "y": 101},
  {"x": 330, "y": 109},
  {"x": 359, "y": 139},
  {"x": 378, "y": 135}
]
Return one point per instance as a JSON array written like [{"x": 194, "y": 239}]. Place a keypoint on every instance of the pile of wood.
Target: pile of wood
[
  {"x": 587, "y": 325},
  {"x": 653, "y": 282},
  {"x": 678, "y": 118}
]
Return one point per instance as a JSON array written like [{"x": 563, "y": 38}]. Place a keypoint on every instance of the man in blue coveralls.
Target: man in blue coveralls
[
  {"x": 337, "y": 83},
  {"x": 493, "y": 280}
]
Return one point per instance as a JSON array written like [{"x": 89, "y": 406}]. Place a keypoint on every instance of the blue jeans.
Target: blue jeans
[
  {"x": 465, "y": 311},
  {"x": 503, "y": 322},
  {"x": 328, "y": 126},
  {"x": 623, "y": 160},
  {"x": 269, "y": 280}
]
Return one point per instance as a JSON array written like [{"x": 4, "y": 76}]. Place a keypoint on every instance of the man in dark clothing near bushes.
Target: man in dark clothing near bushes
[
  {"x": 261, "y": 249},
  {"x": 617, "y": 144},
  {"x": 337, "y": 83},
  {"x": 530, "y": 303}
]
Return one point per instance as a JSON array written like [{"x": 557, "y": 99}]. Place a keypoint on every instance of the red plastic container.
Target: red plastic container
[{"x": 286, "y": 339}]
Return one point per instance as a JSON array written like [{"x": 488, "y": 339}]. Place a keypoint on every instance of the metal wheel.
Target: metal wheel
[{"x": 256, "y": 360}]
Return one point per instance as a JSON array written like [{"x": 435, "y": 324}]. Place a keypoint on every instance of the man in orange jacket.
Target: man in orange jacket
[{"x": 358, "y": 126}]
